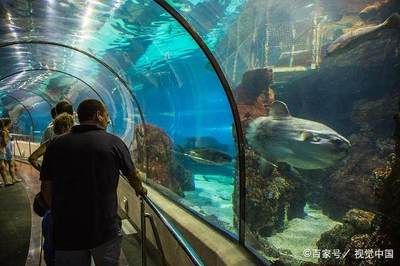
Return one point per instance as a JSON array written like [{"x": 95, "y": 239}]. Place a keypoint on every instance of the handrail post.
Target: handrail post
[
  {"x": 157, "y": 238},
  {"x": 30, "y": 148},
  {"x": 19, "y": 149},
  {"x": 143, "y": 229}
]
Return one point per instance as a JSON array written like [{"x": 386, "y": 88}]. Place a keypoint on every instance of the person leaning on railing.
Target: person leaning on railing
[
  {"x": 61, "y": 125},
  {"x": 60, "y": 108},
  {"x": 79, "y": 175}
]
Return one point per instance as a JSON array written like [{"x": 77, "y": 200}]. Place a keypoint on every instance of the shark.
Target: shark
[
  {"x": 362, "y": 34},
  {"x": 304, "y": 144}
]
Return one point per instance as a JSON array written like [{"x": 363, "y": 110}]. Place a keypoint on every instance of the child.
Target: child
[
  {"x": 3, "y": 143},
  {"x": 8, "y": 158}
]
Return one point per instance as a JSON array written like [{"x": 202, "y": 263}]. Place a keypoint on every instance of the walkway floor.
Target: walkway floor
[
  {"x": 20, "y": 228},
  {"x": 15, "y": 225}
]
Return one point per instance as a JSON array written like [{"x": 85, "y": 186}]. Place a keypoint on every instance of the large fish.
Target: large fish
[
  {"x": 352, "y": 37},
  {"x": 303, "y": 144},
  {"x": 207, "y": 156}
]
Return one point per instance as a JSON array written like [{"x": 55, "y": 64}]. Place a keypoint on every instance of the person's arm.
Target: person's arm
[
  {"x": 135, "y": 181},
  {"x": 34, "y": 158},
  {"x": 47, "y": 135},
  {"x": 129, "y": 170},
  {"x": 47, "y": 174}
]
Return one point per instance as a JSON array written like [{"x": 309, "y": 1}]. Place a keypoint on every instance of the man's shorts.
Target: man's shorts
[{"x": 106, "y": 254}]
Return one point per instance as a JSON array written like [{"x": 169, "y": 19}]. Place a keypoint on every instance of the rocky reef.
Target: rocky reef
[
  {"x": 352, "y": 234},
  {"x": 271, "y": 196},
  {"x": 369, "y": 236},
  {"x": 162, "y": 168},
  {"x": 355, "y": 92}
]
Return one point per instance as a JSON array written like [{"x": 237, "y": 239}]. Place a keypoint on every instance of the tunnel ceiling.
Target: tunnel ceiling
[
  {"x": 130, "y": 36},
  {"x": 102, "y": 49}
]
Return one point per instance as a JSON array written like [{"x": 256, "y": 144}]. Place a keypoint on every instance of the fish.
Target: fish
[
  {"x": 207, "y": 156},
  {"x": 393, "y": 22},
  {"x": 301, "y": 143}
]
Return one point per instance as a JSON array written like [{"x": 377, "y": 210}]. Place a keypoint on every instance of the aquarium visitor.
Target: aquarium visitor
[
  {"x": 62, "y": 124},
  {"x": 61, "y": 107},
  {"x": 3, "y": 143},
  {"x": 8, "y": 150},
  {"x": 82, "y": 167}
]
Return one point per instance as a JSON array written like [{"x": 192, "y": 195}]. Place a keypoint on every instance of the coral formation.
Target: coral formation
[
  {"x": 162, "y": 168},
  {"x": 252, "y": 85},
  {"x": 268, "y": 193},
  {"x": 356, "y": 227},
  {"x": 367, "y": 231}
]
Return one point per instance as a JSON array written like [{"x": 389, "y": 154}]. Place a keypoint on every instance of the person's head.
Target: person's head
[
  {"x": 93, "y": 111},
  {"x": 53, "y": 113},
  {"x": 64, "y": 107},
  {"x": 63, "y": 123},
  {"x": 6, "y": 123}
]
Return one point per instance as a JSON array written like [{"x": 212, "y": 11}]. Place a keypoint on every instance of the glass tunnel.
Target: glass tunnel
[{"x": 269, "y": 120}]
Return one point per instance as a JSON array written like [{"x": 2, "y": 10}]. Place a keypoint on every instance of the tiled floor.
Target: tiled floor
[{"x": 20, "y": 229}]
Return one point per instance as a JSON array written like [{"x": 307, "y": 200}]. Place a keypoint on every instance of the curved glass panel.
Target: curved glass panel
[
  {"x": 19, "y": 110},
  {"x": 190, "y": 154},
  {"x": 28, "y": 111},
  {"x": 70, "y": 64},
  {"x": 189, "y": 151},
  {"x": 331, "y": 62},
  {"x": 307, "y": 188}
]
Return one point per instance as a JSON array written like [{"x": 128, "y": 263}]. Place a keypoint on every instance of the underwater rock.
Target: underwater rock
[
  {"x": 249, "y": 112},
  {"x": 252, "y": 85},
  {"x": 182, "y": 176},
  {"x": 360, "y": 220},
  {"x": 371, "y": 146},
  {"x": 357, "y": 100},
  {"x": 336, "y": 238},
  {"x": 162, "y": 168},
  {"x": 267, "y": 197},
  {"x": 356, "y": 227}
]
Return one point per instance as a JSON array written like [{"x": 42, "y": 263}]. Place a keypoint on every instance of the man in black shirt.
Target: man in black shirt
[{"x": 79, "y": 175}]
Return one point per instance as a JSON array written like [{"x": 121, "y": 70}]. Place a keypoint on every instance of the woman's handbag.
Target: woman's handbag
[{"x": 39, "y": 205}]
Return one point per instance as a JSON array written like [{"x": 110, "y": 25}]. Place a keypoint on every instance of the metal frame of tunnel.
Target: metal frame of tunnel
[
  {"x": 238, "y": 126},
  {"x": 28, "y": 91},
  {"x": 52, "y": 70},
  {"x": 26, "y": 109},
  {"x": 58, "y": 71},
  {"x": 108, "y": 67}
]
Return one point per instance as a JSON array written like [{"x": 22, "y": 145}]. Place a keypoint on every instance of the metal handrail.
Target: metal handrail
[
  {"x": 25, "y": 138},
  {"x": 157, "y": 237},
  {"x": 190, "y": 252}
]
